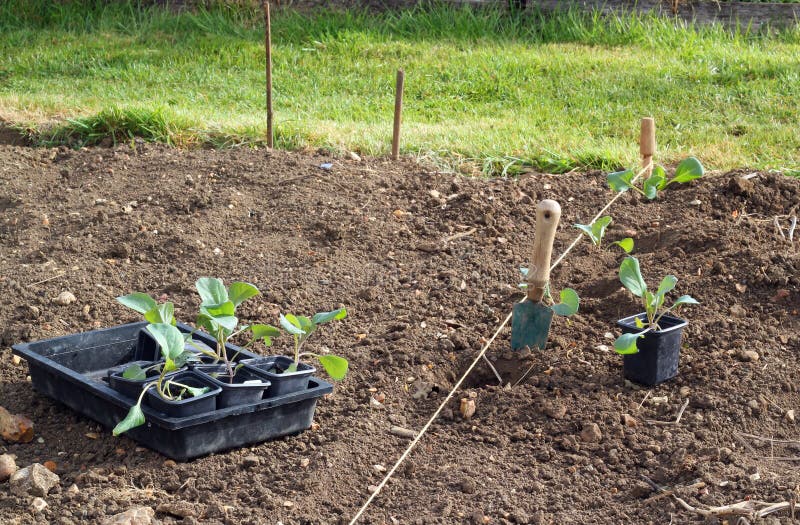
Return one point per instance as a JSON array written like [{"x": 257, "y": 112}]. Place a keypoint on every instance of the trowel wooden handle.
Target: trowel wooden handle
[{"x": 548, "y": 213}]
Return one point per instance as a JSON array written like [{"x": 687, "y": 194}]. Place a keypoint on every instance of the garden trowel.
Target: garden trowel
[{"x": 531, "y": 319}]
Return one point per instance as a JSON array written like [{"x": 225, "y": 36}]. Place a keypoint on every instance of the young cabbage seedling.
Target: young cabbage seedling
[
  {"x": 688, "y": 170},
  {"x": 171, "y": 342},
  {"x": 569, "y": 298},
  {"x": 631, "y": 277},
  {"x": 218, "y": 315},
  {"x": 301, "y": 328},
  {"x": 596, "y": 230}
]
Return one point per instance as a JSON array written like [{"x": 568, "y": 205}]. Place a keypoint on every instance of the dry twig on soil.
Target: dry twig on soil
[
  {"x": 743, "y": 509},
  {"x": 677, "y": 418}
]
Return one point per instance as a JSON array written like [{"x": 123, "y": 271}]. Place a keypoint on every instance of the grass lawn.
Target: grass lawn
[{"x": 486, "y": 88}]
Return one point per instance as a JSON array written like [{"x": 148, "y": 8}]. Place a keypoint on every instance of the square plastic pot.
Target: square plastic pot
[
  {"x": 148, "y": 348},
  {"x": 273, "y": 368},
  {"x": 73, "y": 370},
  {"x": 659, "y": 350},
  {"x": 188, "y": 406},
  {"x": 132, "y": 387},
  {"x": 246, "y": 387}
]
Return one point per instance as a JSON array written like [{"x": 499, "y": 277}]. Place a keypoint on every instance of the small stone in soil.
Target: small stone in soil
[
  {"x": 402, "y": 432},
  {"x": 38, "y": 504},
  {"x": 467, "y": 408},
  {"x": 629, "y": 421},
  {"x": 136, "y": 515},
  {"x": 250, "y": 461},
  {"x": 750, "y": 356},
  {"x": 65, "y": 298},
  {"x": 7, "y": 467},
  {"x": 789, "y": 417},
  {"x": 380, "y": 469},
  {"x": 591, "y": 433},
  {"x": 35, "y": 480},
  {"x": 15, "y": 428}
]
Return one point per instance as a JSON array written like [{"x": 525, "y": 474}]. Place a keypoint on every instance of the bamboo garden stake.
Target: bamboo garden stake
[
  {"x": 398, "y": 109},
  {"x": 268, "y": 46},
  {"x": 647, "y": 144}
]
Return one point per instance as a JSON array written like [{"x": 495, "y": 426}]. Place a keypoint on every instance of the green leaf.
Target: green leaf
[
  {"x": 196, "y": 391},
  {"x": 335, "y": 366},
  {"x": 621, "y": 180},
  {"x": 264, "y": 330},
  {"x": 324, "y": 317},
  {"x": 305, "y": 323},
  {"x": 638, "y": 322},
  {"x": 289, "y": 326},
  {"x": 626, "y": 344},
  {"x": 688, "y": 170},
  {"x": 659, "y": 172},
  {"x": 651, "y": 303},
  {"x": 684, "y": 299},
  {"x": 652, "y": 184},
  {"x": 599, "y": 227},
  {"x": 587, "y": 229},
  {"x": 667, "y": 285},
  {"x": 134, "y": 419},
  {"x": 204, "y": 322},
  {"x": 211, "y": 290},
  {"x": 626, "y": 244},
  {"x": 162, "y": 313},
  {"x": 184, "y": 357},
  {"x": 569, "y": 303},
  {"x": 631, "y": 276},
  {"x": 138, "y": 301},
  {"x": 225, "y": 309},
  {"x": 134, "y": 372},
  {"x": 239, "y": 292},
  {"x": 227, "y": 322},
  {"x": 168, "y": 338},
  {"x": 294, "y": 320}
]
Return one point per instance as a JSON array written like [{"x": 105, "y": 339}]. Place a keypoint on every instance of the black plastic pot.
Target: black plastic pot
[
  {"x": 131, "y": 387},
  {"x": 73, "y": 370},
  {"x": 274, "y": 368},
  {"x": 247, "y": 386},
  {"x": 188, "y": 406},
  {"x": 147, "y": 348},
  {"x": 659, "y": 350}
]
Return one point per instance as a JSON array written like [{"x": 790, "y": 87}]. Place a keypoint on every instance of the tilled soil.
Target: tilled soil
[{"x": 427, "y": 265}]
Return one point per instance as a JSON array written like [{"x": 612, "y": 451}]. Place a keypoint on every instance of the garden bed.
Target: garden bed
[{"x": 372, "y": 236}]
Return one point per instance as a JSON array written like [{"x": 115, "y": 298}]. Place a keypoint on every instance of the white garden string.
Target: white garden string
[{"x": 480, "y": 355}]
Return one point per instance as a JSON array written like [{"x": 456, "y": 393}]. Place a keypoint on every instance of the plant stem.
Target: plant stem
[{"x": 222, "y": 340}]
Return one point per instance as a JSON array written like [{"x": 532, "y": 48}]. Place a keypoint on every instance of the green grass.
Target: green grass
[{"x": 484, "y": 88}]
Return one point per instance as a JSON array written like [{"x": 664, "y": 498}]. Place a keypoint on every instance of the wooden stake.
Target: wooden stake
[
  {"x": 398, "y": 109},
  {"x": 268, "y": 47},
  {"x": 647, "y": 144}
]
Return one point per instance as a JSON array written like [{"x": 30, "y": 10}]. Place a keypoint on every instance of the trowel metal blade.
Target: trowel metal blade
[{"x": 530, "y": 324}]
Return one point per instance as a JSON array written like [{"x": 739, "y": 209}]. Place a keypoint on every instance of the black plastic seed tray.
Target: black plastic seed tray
[{"x": 73, "y": 370}]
